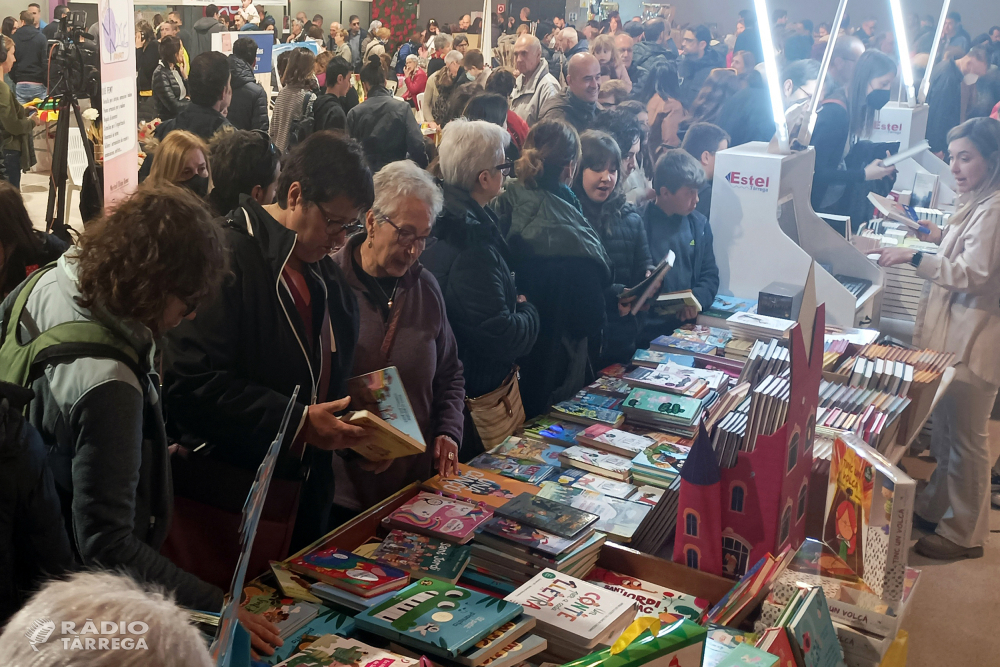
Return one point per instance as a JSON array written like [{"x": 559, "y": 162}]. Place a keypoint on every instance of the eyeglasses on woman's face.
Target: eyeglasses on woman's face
[{"x": 406, "y": 237}]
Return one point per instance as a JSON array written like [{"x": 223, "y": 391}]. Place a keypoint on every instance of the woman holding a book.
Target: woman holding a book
[
  {"x": 960, "y": 313},
  {"x": 403, "y": 322}
]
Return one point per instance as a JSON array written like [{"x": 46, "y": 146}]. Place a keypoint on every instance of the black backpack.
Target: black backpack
[{"x": 304, "y": 125}]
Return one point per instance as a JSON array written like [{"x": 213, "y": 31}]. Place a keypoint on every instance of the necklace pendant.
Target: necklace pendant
[{"x": 390, "y": 304}]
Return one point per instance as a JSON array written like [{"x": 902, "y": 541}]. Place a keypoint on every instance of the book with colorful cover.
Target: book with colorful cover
[
  {"x": 614, "y": 387},
  {"x": 673, "y": 343},
  {"x": 287, "y": 614},
  {"x": 291, "y": 584},
  {"x": 326, "y": 622},
  {"x": 666, "y": 459},
  {"x": 620, "y": 519},
  {"x": 331, "y": 595},
  {"x": 439, "y": 516},
  {"x": 348, "y": 571},
  {"x": 479, "y": 486},
  {"x": 660, "y": 379},
  {"x": 869, "y": 515},
  {"x": 813, "y": 630},
  {"x": 608, "y": 487},
  {"x": 651, "y": 599},
  {"x": 745, "y": 655},
  {"x": 438, "y": 617},
  {"x": 569, "y": 607},
  {"x": 559, "y": 432},
  {"x": 704, "y": 334},
  {"x": 522, "y": 471},
  {"x": 661, "y": 406},
  {"x": 616, "y": 441},
  {"x": 549, "y": 515},
  {"x": 647, "y": 494},
  {"x": 527, "y": 449},
  {"x": 653, "y": 358},
  {"x": 582, "y": 413},
  {"x": 488, "y": 647},
  {"x": 777, "y": 642},
  {"x": 423, "y": 555},
  {"x": 598, "y": 462},
  {"x": 528, "y": 536},
  {"x": 724, "y": 306},
  {"x": 679, "y": 644},
  {"x": 336, "y": 651},
  {"x": 381, "y": 405}
]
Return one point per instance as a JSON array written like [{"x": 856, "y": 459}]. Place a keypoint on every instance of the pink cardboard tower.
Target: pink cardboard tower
[{"x": 730, "y": 518}]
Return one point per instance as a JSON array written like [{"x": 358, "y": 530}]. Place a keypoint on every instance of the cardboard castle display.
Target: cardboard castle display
[{"x": 730, "y": 518}]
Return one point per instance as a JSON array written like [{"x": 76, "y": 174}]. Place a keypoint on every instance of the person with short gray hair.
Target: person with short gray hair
[
  {"x": 150, "y": 629},
  {"x": 402, "y": 322},
  {"x": 673, "y": 224},
  {"x": 493, "y": 325}
]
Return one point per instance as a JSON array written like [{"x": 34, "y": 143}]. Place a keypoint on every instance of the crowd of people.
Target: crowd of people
[{"x": 329, "y": 237}]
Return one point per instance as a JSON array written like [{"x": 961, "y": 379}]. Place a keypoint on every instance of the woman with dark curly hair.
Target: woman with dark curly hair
[{"x": 133, "y": 276}]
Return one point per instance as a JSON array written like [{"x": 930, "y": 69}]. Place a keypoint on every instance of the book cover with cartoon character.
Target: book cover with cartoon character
[
  {"x": 423, "y": 555},
  {"x": 518, "y": 469},
  {"x": 439, "y": 516},
  {"x": 336, "y": 651},
  {"x": 527, "y": 449},
  {"x": 288, "y": 614},
  {"x": 549, "y": 515},
  {"x": 437, "y": 617},
  {"x": 349, "y": 571},
  {"x": 480, "y": 486},
  {"x": 651, "y": 599}
]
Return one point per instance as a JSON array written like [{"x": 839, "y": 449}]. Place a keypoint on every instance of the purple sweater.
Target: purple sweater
[{"x": 425, "y": 352}]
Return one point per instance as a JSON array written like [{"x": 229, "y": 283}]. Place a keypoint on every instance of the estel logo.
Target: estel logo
[
  {"x": 891, "y": 128},
  {"x": 758, "y": 183}
]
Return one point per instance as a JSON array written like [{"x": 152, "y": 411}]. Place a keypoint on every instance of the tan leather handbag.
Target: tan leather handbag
[{"x": 499, "y": 413}]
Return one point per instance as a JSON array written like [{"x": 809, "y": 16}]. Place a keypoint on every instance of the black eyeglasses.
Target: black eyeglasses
[
  {"x": 332, "y": 224},
  {"x": 505, "y": 168},
  {"x": 405, "y": 237}
]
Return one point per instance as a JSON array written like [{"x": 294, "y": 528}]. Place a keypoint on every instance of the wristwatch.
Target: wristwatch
[{"x": 915, "y": 260}]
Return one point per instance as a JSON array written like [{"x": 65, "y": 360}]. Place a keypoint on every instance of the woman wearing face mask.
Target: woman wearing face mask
[
  {"x": 182, "y": 159},
  {"x": 403, "y": 322},
  {"x": 621, "y": 230},
  {"x": 846, "y": 168},
  {"x": 960, "y": 313},
  {"x": 560, "y": 262}
]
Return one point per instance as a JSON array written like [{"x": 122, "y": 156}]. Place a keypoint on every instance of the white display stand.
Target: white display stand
[
  {"x": 766, "y": 231},
  {"x": 908, "y": 125}
]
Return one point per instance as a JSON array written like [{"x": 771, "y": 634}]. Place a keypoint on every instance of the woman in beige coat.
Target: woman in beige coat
[{"x": 960, "y": 313}]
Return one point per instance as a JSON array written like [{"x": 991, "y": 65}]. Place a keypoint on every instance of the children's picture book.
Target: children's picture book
[
  {"x": 584, "y": 413},
  {"x": 559, "y": 432},
  {"x": 598, "y": 462},
  {"x": 326, "y": 622},
  {"x": 527, "y": 449},
  {"x": 522, "y": 471},
  {"x": 437, "y": 617},
  {"x": 572, "y": 608},
  {"x": 333, "y": 596},
  {"x": 813, "y": 630},
  {"x": 614, "y": 440},
  {"x": 382, "y": 407},
  {"x": 349, "y": 571},
  {"x": 660, "y": 406},
  {"x": 672, "y": 343},
  {"x": 651, "y": 599},
  {"x": 336, "y": 651},
  {"x": 869, "y": 515},
  {"x": 620, "y": 519},
  {"x": 516, "y": 652},
  {"x": 745, "y": 655},
  {"x": 666, "y": 457},
  {"x": 439, "y": 516},
  {"x": 488, "y": 647},
  {"x": 480, "y": 486},
  {"x": 608, "y": 487},
  {"x": 649, "y": 495},
  {"x": 423, "y": 555},
  {"x": 528, "y": 536},
  {"x": 549, "y": 515},
  {"x": 724, "y": 306},
  {"x": 291, "y": 584},
  {"x": 287, "y": 614}
]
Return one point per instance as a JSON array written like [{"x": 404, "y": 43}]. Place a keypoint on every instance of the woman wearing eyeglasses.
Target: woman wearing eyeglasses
[
  {"x": 403, "y": 322},
  {"x": 284, "y": 319},
  {"x": 493, "y": 324}
]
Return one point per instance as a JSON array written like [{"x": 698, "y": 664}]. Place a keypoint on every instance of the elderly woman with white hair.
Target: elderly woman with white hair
[
  {"x": 403, "y": 322},
  {"x": 415, "y": 77},
  {"x": 493, "y": 324}
]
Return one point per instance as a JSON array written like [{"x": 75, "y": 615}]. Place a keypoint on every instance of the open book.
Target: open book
[
  {"x": 382, "y": 407},
  {"x": 897, "y": 212},
  {"x": 644, "y": 290}
]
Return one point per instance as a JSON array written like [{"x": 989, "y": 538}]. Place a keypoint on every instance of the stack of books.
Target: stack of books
[
  {"x": 765, "y": 358},
  {"x": 679, "y": 345},
  {"x": 729, "y": 434},
  {"x": 804, "y": 632},
  {"x": 438, "y": 515},
  {"x": 336, "y": 650},
  {"x": 422, "y": 555},
  {"x": 702, "y": 334},
  {"x": 287, "y": 614},
  {"x": 869, "y": 413},
  {"x": 677, "y": 644},
  {"x": 606, "y": 385},
  {"x": 670, "y": 413},
  {"x": 749, "y": 591},
  {"x": 598, "y": 462},
  {"x": 529, "y": 449},
  {"x": 588, "y": 409},
  {"x": 479, "y": 485},
  {"x": 574, "y": 616},
  {"x": 678, "y": 379},
  {"x": 738, "y": 349},
  {"x": 651, "y": 599},
  {"x": 615, "y": 441},
  {"x": 768, "y": 410},
  {"x": 752, "y": 326},
  {"x": 653, "y": 358},
  {"x": 618, "y": 518},
  {"x": 555, "y": 431},
  {"x": 660, "y": 465},
  {"x": 521, "y": 470}
]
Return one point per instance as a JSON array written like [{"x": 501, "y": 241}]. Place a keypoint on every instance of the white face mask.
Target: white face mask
[{"x": 970, "y": 79}]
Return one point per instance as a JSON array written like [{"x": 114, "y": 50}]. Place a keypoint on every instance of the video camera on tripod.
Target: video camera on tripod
[{"x": 74, "y": 67}]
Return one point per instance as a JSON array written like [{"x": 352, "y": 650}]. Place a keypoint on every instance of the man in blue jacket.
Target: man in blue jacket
[{"x": 673, "y": 223}]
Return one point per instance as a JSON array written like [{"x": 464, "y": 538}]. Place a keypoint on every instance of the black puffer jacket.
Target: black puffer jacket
[
  {"x": 624, "y": 237},
  {"x": 248, "y": 108},
  {"x": 168, "y": 95},
  {"x": 33, "y": 541},
  {"x": 386, "y": 129},
  {"x": 469, "y": 261},
  {"x": 694, "y": 72}
]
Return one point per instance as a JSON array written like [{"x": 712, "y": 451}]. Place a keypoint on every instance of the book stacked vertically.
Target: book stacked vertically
[
  {"x": 870, "y": 413},
  {"x": 765, "y": 358},
  {"x": 575, "y": 617},
  {"x": 767, "y": 411}
]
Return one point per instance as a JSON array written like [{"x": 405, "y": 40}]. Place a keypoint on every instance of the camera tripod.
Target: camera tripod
[{"x": 55, "y": 212}]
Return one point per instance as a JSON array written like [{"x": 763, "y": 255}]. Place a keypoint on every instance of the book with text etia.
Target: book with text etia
[
  {"x": 348, "y": 571},
  {"x": 572, "y": 608},
  {"x": 381, "y": 406}
]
